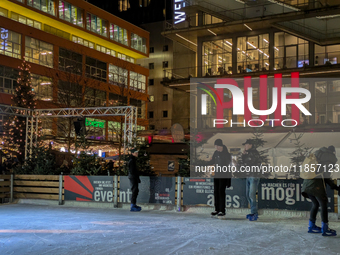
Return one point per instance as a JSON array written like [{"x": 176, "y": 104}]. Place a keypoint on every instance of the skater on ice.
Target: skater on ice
[{"x": 134, "y": 180}]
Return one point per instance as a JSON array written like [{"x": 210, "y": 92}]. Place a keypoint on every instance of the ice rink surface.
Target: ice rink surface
[{"x": 34, "y": 229}]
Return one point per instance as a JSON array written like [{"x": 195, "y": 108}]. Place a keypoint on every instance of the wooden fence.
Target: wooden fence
[{"x": 5, "y": 187}]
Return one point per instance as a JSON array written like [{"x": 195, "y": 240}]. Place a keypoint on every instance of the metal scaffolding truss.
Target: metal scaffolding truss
[{"x": 33, "y": 116}]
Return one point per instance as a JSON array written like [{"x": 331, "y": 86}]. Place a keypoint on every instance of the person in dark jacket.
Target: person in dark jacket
[
  {"x": 222, "y": 180},
  {"x": 315, "y": 190},
  {"x": 134, "y": 180},
  {"x": 251, "y": 157}
]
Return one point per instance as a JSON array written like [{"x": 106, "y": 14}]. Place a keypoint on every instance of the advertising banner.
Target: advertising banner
[
  {"x": 159, "y": 190},
  {"x": 89, "y": 188}
]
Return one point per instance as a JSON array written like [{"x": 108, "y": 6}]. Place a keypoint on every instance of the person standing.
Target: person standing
[
  {"x": 134, "y": 180},
  {"x": 222, "y": 180},
  {"x": 315, "y": 190},
  {"x": 251, "y": 157}
]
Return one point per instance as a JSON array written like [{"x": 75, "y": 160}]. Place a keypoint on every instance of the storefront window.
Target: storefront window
[
  {"x": 70, "y": 13},
  {"x": 96, "y": 24},
  {"x": 95, "y": 128},
  {"x": 138, "y": 43},
  {"x": 42, "y": 87},
  {"x": 290, "y": 51},
  {"x": 118, "y": 75},
  {"x": 327, "y": 55},
  {"x": 253, "y": 53},
  {"x": 10, "y": 43},
  {"x": 43, "y": 5},
  {"x": 38, "y": 52},
  {"x": 217, "y": 57}
]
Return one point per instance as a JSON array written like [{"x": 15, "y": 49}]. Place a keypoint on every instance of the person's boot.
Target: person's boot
[
  {"x": 253, "y": 217},
  {"x": 326, "y": 231},
  {"x": 312, "y": 228},
  {"x": 214, "y": 213},
  {"x": 134, "y": 208}
]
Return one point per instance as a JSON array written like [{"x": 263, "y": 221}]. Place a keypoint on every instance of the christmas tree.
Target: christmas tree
[
  {"x": 298, "y": 155},
  {"x": 15, "y": 127}
]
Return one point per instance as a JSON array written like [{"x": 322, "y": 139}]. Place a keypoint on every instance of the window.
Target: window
[
  {"x": 118, "y": 75},
  {"x": 118, "y": 34},
  {"x": 290, "y": 51},
  {"x": 152, "y": 127},
  {"x": 150, "y": 115},
  {"x": 140, "y": 107},
  {"x": 216, "y": 58},
  {"x": 10, "y": 43},
  {"x": 151, "y": 82},
  {"x": 70, "y": 13},
  {"x": 3, "y": 12},
  {"x": 165, "y": 64},
  {"x": 42, "y": 87},
  {"x": 253, "y": 53},
  {"x": 121, "y": 56},
  {"x": 105, "y": 50},
  {"x": 138, "y": 43},
  {"x": 137, "y": 81},
  {"x": 38, "y": 52},
  {"x": 151, "y": 66},
  {"x": 327, "y": 55},
  {"x": 130, "y": 59},
  {"x": 70, "y": 94},
  {"x": 94, "y": 97},
  {"x": 70, "y": 61},
  {"x": 165, "y": 48},
  {"x": 152, "y": 49},
  {"x": 152, "y": 99},
  {"x": 26, "y": 21},
  {"x": 95, "y": 69},
  {"x": 117, "y": 100},
  {"x": 96, "y": 24},
  {"x": 8, "y": 79},
  {"x": 165, "y": 114},
  {"x": 82, "y": 41},
  {"x": 43, "y": 5},
  {"x": 57, "y": 32},
  {"x": 165, "y": 97},
  {"x": 95, "y": 128}
]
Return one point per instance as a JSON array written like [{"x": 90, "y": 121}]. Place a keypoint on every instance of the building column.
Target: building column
[
  {"x": 311, "y": 53},
  {"x": 234, "y": 55}
]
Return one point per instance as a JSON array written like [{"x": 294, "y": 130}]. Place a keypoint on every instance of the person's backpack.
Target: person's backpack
[{"x": 309, "y": 169}]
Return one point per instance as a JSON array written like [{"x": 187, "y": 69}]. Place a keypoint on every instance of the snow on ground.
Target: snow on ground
[{"x": 33, "y": 229}]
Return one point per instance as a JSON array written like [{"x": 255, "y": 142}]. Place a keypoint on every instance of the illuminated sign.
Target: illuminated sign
[
  {"x": 94, "y": 123},
  {"x": 4, "y": 37},
  {"x": 179, "y": 16}
]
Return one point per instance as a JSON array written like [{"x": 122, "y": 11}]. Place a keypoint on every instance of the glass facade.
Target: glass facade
[
  {"x": 138, "y": 43},
  {"x": 43, "y": 5},
  {"x": 42, "y": 87},
  {"x": 96, "y": 24},
  {"x": 217, "y": 58},
  {"x": 118, "y": 34},
  {"x": 253, "y": 53},
  {"x": 26, "y": 21},
  {"x": 326, "y": 55},
  {"x": 70, "y": 94},
  {"x": 70, "y": 13},
  {"x": 10, "y": 43},
  {"x": 38, "y": 52},
  {"x": 95, "y": 97}
]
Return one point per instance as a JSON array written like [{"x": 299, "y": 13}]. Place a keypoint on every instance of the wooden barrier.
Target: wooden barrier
[
  {"x": 5, "y": 187},
  {"x": 37, "y": 187}
]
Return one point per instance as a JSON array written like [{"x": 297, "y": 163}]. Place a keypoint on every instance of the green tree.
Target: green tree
[
  {"x": 15, "y": 127},
  {"x": 298, "y": 155}
]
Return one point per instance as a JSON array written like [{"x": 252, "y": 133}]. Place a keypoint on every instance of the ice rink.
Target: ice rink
[{"x": 34, "y": 229}]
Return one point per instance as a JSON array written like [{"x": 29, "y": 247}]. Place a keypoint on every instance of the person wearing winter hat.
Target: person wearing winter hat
[
  {"x": 315, "y": 190},
  {"x": 134, "y": 180},
  {"x": 222, "y": 180}
]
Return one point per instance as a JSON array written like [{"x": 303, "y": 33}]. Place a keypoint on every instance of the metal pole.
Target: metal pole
[
  {"x": 115, "y": 201},
  {"x": 60, "y": 189},
  {"x": 36, "y": 131},
  {"x": 26, "y": 144},
  {"x": 125, "y": 133},
  {"x": 179, "y": 193},
  {"x": 12, "y": 184},
  {"x": 31, "y": 135}
]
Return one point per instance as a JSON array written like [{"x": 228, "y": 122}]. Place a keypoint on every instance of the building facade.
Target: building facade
[
  {"x": 263, "y": 39},
  {"x": 80, "y": 56}
]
